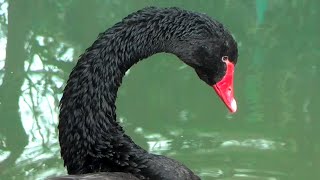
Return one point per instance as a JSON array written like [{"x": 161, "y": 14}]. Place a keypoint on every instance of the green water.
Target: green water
[{"x": 162, "y": 104}]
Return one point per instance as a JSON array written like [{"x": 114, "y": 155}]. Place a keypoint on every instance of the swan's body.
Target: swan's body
[{"x": 91, "y": 139}]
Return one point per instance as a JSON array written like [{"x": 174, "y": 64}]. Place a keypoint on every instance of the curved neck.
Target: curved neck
[{"x": 91, "y": 139}]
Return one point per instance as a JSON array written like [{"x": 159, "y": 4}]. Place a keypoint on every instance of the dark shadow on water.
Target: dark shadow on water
[{"x": 10, "y": 90}]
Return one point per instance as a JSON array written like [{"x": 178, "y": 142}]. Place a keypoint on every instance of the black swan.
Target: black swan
[{"x": 91, "y": 139}]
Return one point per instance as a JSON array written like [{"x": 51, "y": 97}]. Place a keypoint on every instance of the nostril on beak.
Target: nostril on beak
[{"x": 229, "y": 91}]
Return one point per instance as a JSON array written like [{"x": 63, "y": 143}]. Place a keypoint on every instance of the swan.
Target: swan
[{"x": 93, "y": 144}]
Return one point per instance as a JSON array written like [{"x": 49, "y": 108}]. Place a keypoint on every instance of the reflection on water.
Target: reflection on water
[
  {"x": 162, "y": 104},
  {"x": 243, "y": 156}
]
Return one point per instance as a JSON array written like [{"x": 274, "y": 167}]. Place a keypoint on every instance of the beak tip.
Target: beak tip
[{"x": 233, "y": 106}]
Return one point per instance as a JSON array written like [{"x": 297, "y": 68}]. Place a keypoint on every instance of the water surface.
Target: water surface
[{"x": 162, "y": 104}]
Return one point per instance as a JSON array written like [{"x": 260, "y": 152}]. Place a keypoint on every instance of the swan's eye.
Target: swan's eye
[{"x": 225, "y": 58}]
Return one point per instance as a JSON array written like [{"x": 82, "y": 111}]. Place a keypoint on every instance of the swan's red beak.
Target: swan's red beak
[{"x": 224, "y": 88}]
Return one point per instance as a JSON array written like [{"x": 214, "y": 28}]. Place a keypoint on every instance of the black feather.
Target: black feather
[{"x": 91, "y": 139}]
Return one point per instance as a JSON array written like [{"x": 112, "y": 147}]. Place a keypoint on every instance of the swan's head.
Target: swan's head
[{"x": 213, "y": 53}]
